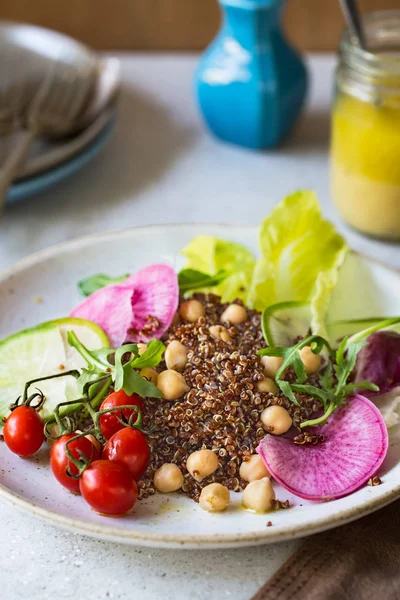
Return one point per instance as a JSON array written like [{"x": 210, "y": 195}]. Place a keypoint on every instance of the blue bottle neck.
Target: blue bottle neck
[{"x": 251, "y": 22}]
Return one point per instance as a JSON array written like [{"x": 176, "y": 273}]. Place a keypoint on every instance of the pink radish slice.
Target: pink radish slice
[
  {"x": 156, "y": 294},
  {"x": 355, "y": 445},
  {"x": 111, "y": 308},
  {"x": 148, "y": 298}
]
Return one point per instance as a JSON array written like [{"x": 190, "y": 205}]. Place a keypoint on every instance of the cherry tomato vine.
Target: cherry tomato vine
[{"x": 107, "y": 484}]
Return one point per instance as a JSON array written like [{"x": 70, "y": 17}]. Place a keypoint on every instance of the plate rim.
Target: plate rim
[
  {"x": 69, "y": 148},
  {"x": 168, "y": 540}
]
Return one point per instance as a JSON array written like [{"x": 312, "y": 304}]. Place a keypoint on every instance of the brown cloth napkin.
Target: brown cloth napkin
[{"x": 359, "y": 561}]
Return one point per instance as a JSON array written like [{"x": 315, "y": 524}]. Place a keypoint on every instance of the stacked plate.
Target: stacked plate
[{"x": 52, "y": 159}]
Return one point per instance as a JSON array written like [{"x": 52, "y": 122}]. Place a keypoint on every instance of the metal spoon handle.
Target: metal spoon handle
[
  {"x": 14, "y": 162},
  {"x": 353, "y": 19},
  {"x": 10, "y": 169}
]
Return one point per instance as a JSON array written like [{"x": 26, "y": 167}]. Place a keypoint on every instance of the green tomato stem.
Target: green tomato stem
[
  {"x": 137, "y": 415},
  {"x": 101, "y": 393},
  {"x": 72, "y": 373},
  {"x": 83, "y": 462}
]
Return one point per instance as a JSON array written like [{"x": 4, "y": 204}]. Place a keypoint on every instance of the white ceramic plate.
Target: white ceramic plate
[{"x": 170, "y": 521}]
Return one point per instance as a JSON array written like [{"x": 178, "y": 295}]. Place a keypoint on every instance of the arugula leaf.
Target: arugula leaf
[
  {"x": 133, "y": 383},
  {"x": 91, "y": 284},
  {"x": 326, "y": 377},
  {"x": 151, "y": 357},
  {"x": 352, "y": 388},
  {"x": 127, "y": 379},
  {"x": 86, "y": 377},
  {"x": 190, "y": 279},
  {"x": 345, "y": 360},
  {"x": 312, "y": 390},
  {"x": 286, "y": 389},
  {"x": 321, "y": 420},
  {"x": 292, "y": 358},
  {"x": 96, "y": 358},
  {"x": 123, "y": 374},
  {"x": 333, "y": 381},
  {"x": 346, "y": 356},
  {"x": 119, "y": 371}
]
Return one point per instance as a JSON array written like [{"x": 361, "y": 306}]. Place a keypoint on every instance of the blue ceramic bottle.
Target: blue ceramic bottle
[{"x": 250, "y": 83}]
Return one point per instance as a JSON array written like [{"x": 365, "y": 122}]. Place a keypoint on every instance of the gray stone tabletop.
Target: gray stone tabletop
[{"x": 160, "y": 167}]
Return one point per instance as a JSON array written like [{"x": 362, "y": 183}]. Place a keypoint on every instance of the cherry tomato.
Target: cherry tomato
[
  {"x": 59, "y": 461},
  {"x": 109, "y": 423},
  {"x": 23, "y": 431},
  {"x": 108, "y": 488},
  {"x": 128, "y": 447}
]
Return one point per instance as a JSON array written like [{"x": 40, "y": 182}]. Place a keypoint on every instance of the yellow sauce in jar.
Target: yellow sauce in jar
[{"x": 365, "y": 164}]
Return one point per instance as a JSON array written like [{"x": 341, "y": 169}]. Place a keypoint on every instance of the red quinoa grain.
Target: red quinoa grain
[{"x": 222, "y": 409}]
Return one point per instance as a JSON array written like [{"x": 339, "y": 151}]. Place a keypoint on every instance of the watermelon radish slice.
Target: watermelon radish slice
[
  {"x": 138, "y": 310},
  {"x": 355, "y": 445},
  {"x": 155, "y": 293},
  {"x": 111, "y": 309}
]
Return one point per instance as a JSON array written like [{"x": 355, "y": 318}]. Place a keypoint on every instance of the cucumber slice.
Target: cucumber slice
[
  {"x": 41, "y": 351},
  {"x": 340, "y": 329},
  {"x": 285, "y": 322}
]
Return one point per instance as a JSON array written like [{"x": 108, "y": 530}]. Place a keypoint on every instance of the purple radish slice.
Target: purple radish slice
[
  {"x": 355, "y": 445},
  {"x": 379, "y": 361},
  {"x": 138, "y": 310}
]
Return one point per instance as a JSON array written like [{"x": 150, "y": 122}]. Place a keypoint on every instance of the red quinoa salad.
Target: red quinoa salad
[{"x": 224, "y": 377}]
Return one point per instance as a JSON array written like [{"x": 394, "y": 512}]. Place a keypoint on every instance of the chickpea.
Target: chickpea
[
  {"x": 267, "y": 385},
  {"x": 253, "y": 469},
  {"x": 214, "y": 497},
  {"x": 53, "y": 429},
  {"x": 172, "y": 384},
  {"x": 276, "y": 419},
  {"x": 271, "y": 365},
  {"x": 141, "y": 348},
  {"x": 176, "y": 356},
  {"x": 150, "y": 374},
  {"x": 235, "y": 314},
  {"x": 311, "y": 361},
  {"x": 259, "y": 495},
  {"x": 168, "y": 478},
  {"x": 92, "y": 439},
  {"x": 191, "y": 311},
  {"x": 202, "y": 463},
  {"x": 220, "y": 333}
]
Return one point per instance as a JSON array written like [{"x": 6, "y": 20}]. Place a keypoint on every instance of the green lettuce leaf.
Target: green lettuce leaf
[
  {"x": 190, "y": 280},
  {"x": 301, "y": 256},
  {"x": 91, "y": 284},
  {"x": 211, "y": 255}
]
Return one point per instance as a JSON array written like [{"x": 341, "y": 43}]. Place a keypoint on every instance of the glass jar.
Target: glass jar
[{"x": 365, "y": 143}]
